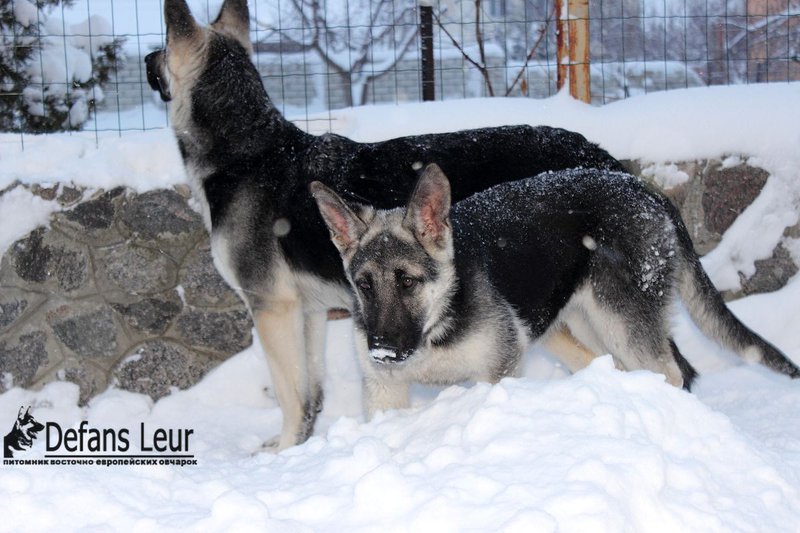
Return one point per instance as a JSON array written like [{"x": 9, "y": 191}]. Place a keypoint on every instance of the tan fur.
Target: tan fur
[
  {"x": 388, "y": 388},
  {"x": 575, "y": 356},
  {"x": 229, "y": 24},
  {"x": 291, "y": 326},
  {"x": 280, "y": 331},
  {"x": 602, "y": 331},
  {"x": 315, "y": 334},
  {"x": 186, "y": 58}
]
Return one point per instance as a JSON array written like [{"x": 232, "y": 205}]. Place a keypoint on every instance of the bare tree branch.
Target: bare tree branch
[
  {"x": 354, "y": 51},
  {"x": 456, "y": 43},
  {"x": 403, "y": 45},
  {"x": 532, "y": 52},
  {"x": 481, "y": 67}
]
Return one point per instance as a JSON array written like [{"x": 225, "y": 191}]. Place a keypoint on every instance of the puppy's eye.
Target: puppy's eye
[
  {"x": 364, "y": 285},
  {"x": 407, "y": 282}
]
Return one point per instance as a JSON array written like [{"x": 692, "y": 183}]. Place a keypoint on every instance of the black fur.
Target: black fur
[
  {"x": 261, "y": 156},
  {"x": 687, "y": 370},
  {"x": 529, "y": 237}
]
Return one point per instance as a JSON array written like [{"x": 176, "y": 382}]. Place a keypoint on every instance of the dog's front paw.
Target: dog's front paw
[{"x": 272, "y": 445}]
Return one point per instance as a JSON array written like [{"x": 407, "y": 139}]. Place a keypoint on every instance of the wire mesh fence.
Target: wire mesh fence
[{"x": 78, "y": 65}]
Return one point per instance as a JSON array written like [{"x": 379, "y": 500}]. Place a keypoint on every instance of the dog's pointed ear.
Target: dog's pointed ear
[
  {"x": 180, "y": 22},
  {"x": 234, "y": 20},
  {"x": 429, "y": 208},
  {"x": 21, "y": 411},
  {"x": 345, "y": 226}
]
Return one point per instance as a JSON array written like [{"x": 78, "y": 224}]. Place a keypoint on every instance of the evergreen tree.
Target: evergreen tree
[{"x": 51, "y": 73}]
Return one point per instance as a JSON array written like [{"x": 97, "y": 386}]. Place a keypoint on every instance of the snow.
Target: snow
[
  {"x": 665, "y": 175},
  {"x": 140, "y": 160},
  {"x": 25, "y": 12},
  {"x": 22, "y": 212},
  {"x": 600, "y": 450}
]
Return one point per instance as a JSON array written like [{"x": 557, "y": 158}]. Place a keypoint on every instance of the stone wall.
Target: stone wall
[
  {"x": 121, "y": 290},
  {"x": 711, "y": 194}
]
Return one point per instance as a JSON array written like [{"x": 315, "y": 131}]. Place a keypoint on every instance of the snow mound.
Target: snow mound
[
  {"x": 602, "y": 450},
  {"x": 532, "y": 455}
]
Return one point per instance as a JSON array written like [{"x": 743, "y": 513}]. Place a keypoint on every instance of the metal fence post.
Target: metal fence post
[{"x": 426, "y": 41}]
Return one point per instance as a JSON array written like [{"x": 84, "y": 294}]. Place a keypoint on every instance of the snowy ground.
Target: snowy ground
[{"x": 597, "y": 451}]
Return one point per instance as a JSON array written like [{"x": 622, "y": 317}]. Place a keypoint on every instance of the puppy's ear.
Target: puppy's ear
[
  {"x": 345, "y": 226},
  {"x": 180, "y": 22},
  {"x": 234, "y": 20},
  {"x": 429, "y": 208}
]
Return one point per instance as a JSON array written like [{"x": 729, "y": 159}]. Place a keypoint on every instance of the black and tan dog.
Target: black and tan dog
[
  {"x": 23, "y": 433},
  {"x": 447, "y": 295},
  {"x": 250, "y": 168}
]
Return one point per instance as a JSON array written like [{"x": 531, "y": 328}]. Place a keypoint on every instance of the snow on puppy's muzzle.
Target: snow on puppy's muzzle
[{"x": 386, "y": 354}]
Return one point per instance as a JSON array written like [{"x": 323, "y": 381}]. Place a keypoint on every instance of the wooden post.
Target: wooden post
[
  {"x": 579, "y": 77},
  {"x": 426, "y": 41},
  {"x": 572, "y": 47}
]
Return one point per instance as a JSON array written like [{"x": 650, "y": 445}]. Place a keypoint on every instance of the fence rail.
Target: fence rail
[{"x": 316, "y": 55}]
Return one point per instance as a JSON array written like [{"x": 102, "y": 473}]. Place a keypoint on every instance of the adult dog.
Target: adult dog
[
  {"x": 251, "y": 168},
  {"x": 447, "y": 295}
]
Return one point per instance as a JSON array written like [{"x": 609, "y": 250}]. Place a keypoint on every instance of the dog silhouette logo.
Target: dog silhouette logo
[{"x": 23, "y": 433}]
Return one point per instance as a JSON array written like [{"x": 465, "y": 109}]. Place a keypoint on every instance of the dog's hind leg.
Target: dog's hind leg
[
  {"x": 636, "y": 334},
  {"x": 282, "y": 334}
]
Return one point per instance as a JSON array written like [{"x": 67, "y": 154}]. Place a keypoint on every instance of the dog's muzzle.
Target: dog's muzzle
[
  {"x": 154, "y": 63},
  {"x": 386, "y": 355}
]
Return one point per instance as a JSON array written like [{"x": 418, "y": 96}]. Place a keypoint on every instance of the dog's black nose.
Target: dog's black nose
[
  {"x": 153, "y": 63},
  {"x": 378, "y": 342}
]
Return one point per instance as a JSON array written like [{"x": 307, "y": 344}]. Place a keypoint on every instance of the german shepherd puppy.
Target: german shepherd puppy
[
  {"x": 445, "y": 295},
  {"x": 250, "y": 169}
]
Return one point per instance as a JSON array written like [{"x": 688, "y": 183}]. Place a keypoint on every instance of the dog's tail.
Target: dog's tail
[{"x": 715, "y": 320}]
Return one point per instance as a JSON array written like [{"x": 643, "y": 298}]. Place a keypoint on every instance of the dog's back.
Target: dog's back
[{"x": 541, "y": 237}]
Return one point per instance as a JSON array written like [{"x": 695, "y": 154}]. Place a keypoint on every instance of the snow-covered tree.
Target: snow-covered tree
[
  {"x": 359, "y": 40},
  {"x": 51, "y": 73}
]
